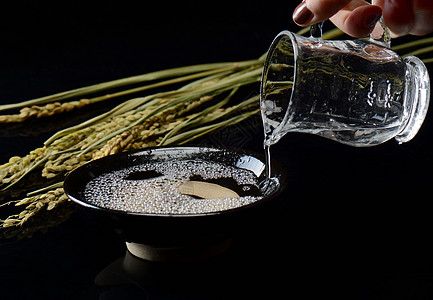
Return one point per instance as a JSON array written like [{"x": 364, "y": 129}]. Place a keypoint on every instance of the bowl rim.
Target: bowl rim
[{"x": 71, "y": 191}]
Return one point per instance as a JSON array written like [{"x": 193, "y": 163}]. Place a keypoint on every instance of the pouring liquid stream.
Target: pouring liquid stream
[
  {"x": 269, "y": 183},
  {"x": 316, "y": 31},
  {"x": 272, "y": 137}
]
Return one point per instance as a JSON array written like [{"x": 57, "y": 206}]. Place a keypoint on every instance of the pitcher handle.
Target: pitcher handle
[{"x": 381, "y": 35}]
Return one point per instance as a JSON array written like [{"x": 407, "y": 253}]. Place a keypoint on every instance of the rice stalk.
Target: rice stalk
[
  {"x": 413, "y": 44},
  {"x": 169, "y": 117},
  {"x": 198, "y": 71},
  {"x": 162, "y": 74},
  {"x": 188, "y": 136},
  {"x": 418, "y": 52}
]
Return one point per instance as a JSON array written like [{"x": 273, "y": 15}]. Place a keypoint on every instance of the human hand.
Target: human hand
[{"x": 358, "y": 18}]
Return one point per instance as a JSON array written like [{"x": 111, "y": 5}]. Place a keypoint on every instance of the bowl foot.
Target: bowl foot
[{"x": 199, "y": 250}]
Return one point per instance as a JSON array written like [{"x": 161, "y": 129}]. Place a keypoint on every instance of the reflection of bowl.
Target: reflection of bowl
[{"x": 164, "y": 237}]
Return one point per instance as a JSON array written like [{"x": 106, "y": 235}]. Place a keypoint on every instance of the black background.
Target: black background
[{"x": 352, "y": 224}]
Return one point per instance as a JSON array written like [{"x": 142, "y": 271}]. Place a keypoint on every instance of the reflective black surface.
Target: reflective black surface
[{"x": 352, "y": 223}]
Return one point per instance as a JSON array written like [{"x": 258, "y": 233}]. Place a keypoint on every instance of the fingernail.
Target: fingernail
[
  {"x": 371, "y": 21},
  {"x": 302, "y": 14}
]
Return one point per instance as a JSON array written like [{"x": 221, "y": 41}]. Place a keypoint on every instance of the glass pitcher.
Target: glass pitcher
[{"x": 357, "y": 92}]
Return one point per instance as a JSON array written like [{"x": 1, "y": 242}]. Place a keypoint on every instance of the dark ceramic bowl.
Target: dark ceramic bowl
[{"x": 163, "y": 237}]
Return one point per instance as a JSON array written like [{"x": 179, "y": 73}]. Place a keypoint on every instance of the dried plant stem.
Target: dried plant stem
[
  {"x": 36, "y": 212},
  {"x": 139, "y": 122},
  {"x": 421, "y": 51},
  {"x": 189, "y": 73},
  {"x": 414, "y": 44},
  {"x": 174, "y": 72},
  {"x": 45, "y": 111},
  {"x": 169, "y": 117},
  {"x": 54, "y": 197}
]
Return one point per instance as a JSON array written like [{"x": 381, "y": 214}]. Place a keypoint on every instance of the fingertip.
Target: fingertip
[
  {"x": 398, "y": 16},
  {"x": 302, "y": 15},
  {"x": 360, "y": 22}
]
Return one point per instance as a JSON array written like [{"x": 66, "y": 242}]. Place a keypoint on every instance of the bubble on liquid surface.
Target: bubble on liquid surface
[{"x": 154, "y": 188}]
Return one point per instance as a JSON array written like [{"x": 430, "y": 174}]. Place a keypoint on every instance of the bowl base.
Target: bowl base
[{"x": 179, "y": 253}]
